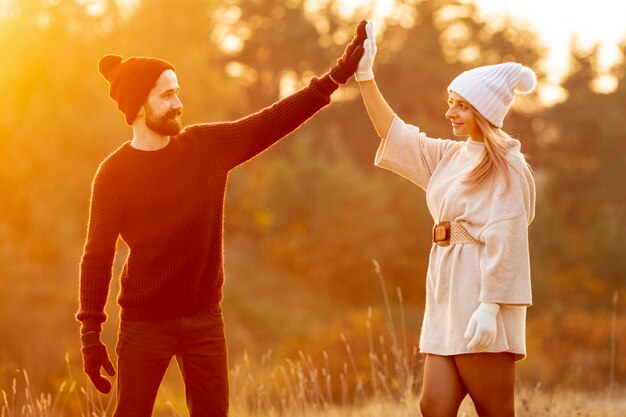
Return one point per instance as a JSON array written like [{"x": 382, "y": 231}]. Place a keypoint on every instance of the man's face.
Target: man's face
[{"x": 163, "y": 107}]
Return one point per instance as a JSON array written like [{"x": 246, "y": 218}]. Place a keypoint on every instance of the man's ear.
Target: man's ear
[{"x": 142, "y": 112}]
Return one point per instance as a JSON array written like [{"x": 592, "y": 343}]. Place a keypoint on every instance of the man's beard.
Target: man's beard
[{"x": 166, "y": 125}]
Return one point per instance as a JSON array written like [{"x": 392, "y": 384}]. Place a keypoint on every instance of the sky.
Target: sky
[{"x": 556, "y": 21}]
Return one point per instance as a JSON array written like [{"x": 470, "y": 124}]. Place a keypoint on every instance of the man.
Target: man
[{"x": 163, "y": 193}]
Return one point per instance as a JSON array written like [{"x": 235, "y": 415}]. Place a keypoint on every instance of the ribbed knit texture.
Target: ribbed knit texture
[
  {"x": 168, "y": 206},
  {"x": 131, "y": 80},
  {"x": 491, "y": 88}
]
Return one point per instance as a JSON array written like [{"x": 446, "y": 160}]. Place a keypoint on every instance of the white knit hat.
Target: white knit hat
[{"x": 491, "y": 88}]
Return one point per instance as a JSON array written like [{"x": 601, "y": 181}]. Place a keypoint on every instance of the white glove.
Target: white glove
[
  {"x": 482, "y": 328},
  {"x": 364, "y": 71}
]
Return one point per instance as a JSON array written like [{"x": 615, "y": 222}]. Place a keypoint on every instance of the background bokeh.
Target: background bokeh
[{"x": 305, "y": 219}]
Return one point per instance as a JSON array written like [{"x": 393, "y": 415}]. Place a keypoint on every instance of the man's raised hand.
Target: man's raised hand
[{"x": 347, "y": 64}]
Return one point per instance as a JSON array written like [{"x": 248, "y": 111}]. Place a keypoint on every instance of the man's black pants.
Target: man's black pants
[{"x": 145, "y": 349}]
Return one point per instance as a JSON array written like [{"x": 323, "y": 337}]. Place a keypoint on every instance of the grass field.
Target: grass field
[
  {"x": 298, "y": 396},
  {"x": 364, "y": 365}
]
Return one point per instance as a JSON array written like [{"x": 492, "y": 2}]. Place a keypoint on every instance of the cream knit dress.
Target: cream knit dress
[{"x": 496, "y": 270}]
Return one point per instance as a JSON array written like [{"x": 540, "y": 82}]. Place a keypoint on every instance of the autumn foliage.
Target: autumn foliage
[{"x": 305, "y": 219}]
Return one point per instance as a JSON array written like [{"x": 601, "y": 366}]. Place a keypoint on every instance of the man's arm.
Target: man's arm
[
  {"x": 95, "y": 276},
  {"x": 236, "y": 142},
  {"x": 98, "y": 254}
]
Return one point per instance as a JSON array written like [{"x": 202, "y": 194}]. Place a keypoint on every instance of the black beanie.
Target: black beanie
[{"x": 131, "y": 80}]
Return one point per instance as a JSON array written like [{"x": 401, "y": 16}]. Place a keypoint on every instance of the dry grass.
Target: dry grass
[
  {"x": 385, "y": 383},
  {"x": 299, "y": 388},
  {"x": 74, "y": 400}
]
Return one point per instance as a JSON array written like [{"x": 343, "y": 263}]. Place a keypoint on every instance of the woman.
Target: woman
[{"x": 481, "y": 195}]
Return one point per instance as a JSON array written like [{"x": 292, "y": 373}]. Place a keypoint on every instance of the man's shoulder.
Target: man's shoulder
[
  {"x": 202, "y": 135},
  {"x": 114, "y": 161},
  {"x": 201, "y": 130}
]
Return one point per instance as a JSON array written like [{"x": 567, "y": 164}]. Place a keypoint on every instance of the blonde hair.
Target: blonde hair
[{"x": 497, "y": 144}]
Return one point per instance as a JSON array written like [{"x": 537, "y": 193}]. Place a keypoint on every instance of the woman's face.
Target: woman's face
[{"x": 462, "y": 118}]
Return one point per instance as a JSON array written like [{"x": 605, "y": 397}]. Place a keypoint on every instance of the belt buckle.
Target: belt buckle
[{"x": 441, "y": 234}]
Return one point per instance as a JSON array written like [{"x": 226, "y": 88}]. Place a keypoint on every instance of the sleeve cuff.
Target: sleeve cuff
[
  {"x": 90, "y": 339},
  {"x": 326, "y": 85},
  {"x": 382, "y": 152}
]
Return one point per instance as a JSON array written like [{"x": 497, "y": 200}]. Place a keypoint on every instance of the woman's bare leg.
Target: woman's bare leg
[
  {"x": 442, "y": 389},
  {"x": 490, "y": 381}
]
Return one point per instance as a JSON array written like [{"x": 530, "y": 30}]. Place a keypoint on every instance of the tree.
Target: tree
[
  {"x": 585, "y": 191},
  {"x": 58, "y": 124}
]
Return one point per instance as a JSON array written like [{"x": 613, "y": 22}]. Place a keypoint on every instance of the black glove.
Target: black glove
[
  {"x": 349, "y": 61},
  {"x": 95, "y": 356}
]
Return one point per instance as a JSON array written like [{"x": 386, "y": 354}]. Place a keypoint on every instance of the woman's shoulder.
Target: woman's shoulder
[
  {"x": 517, "y": 160},
  {"x": 517, "y": 189}
]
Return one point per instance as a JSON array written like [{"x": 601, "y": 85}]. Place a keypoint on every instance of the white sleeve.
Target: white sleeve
[
  {"x": 505, "y": 263},
  {"x": 410, "y": 153}
]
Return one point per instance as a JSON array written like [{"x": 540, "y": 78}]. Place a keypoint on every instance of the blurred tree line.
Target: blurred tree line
[{"x": 313, "y": 207}]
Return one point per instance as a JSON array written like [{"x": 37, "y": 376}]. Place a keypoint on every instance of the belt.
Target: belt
[{"x": 451, "y": 233}]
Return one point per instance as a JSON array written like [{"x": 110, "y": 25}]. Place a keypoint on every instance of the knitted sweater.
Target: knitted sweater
[
  {"x": 497, "y": 214},
  {"x": 168, "y": 207}
]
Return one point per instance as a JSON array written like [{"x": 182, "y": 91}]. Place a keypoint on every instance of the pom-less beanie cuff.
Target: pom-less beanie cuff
[
  {"x": 131, "y": 80},
  {"x": 490, "y": 89}
]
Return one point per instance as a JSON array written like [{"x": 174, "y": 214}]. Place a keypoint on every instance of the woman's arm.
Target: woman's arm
[
  {"x": 378, "y": 109},
  {"x": 403, "y": 148}
]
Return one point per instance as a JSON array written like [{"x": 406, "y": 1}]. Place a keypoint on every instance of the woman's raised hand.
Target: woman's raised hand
[{"x": 364, "y": 71}]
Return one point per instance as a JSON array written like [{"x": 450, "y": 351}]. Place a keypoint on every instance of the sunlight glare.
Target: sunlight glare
[
  {"x": 7, "y": 8},
  {"x": 232, "y": 44},
  {"x": 348, "y": 7},
  {"x": 558, "y": 21}
]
